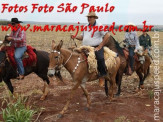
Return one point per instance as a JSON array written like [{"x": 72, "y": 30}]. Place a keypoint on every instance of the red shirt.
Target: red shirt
[{"x": 19, "y": 38}]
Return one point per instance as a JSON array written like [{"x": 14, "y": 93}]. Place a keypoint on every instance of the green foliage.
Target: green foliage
[
  {"x": 4, "y": 22},
  {"x": 17, "y": 112},
  {"x": 121, "y": 119},
  {"x": 151, "y": 94}
]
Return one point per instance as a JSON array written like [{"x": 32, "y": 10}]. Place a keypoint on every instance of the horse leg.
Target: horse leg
[
  {"x": 9, "y": 85},
  {"x": 111, "y": 90},
  {"x": 106, "y": 87},
  {"x": 11, "y": 89},
  {"x": 141, "y": 82},
  {"x": 70, "y": 97},
  {"x": 118, "y": 81},
  {"x": 86, "y": 93},
  {"x": 146, "y": 73},
  {"x": 87, "y": 96},
  {"x": 46, "y": 86},
  {"x": 45, "y": 91}
]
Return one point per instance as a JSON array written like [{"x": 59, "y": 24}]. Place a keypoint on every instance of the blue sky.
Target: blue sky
[{"x": 135, "y": 11}]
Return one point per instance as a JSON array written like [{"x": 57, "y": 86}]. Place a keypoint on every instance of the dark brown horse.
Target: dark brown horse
[
  {"x": 142, "y": 70},
  {"x": 7, "y": 72},
  {"x": 77, "y": 66}
]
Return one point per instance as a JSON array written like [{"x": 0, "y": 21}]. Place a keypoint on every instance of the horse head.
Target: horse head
[
  {"x": 140, "y": 51},
  {"x": 56, "y": 58}
]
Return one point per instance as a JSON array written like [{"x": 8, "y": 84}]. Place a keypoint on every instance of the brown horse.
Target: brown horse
[
  {"x": 142, "y": 70},
  {"x": 77, "y": 66}
]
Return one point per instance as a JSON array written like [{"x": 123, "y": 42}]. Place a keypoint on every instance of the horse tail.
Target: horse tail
[{"x": 106, "y": 87}]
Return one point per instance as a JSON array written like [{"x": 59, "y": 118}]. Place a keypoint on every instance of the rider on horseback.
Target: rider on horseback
[
  {"x": 18, "y": 41},
  {"x": 133, "y": 44},
  {"x": 98, "y": 41},
  {"x": 145, "y": 41}
]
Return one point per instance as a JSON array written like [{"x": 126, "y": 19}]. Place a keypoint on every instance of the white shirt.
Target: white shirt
[
  {"x": 97, "y": 38},
  {"x": 132, "y": 39}
]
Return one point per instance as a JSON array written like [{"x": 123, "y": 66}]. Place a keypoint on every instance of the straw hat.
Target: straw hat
[
  {"x": 130, "y": 23},
  {"x": 92, "y": 14}
]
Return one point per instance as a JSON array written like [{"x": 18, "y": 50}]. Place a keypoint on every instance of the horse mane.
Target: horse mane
[{"x": 119, "y": 49}]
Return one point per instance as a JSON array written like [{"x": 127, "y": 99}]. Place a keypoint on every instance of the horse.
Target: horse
[
  {"x": 7, "y": 72},
  {"x": 114, "y": 45},
  {"x": 77, "y": 66},
  {"x": 142, "y": 70}
]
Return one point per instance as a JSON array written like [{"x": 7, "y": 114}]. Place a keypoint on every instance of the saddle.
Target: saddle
[
  {"x": 126, "y": 53},
  {"x": 89, "y": 54},
  {"x": 29, "y": 58}
]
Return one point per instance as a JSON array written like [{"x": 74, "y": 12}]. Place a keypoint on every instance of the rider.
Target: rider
[
  {"x": 145, "y": 41},
  {"x": 98, "y": 41},
  {"x": 133, "y": 44},
  {"x": 18, "y": 41}
]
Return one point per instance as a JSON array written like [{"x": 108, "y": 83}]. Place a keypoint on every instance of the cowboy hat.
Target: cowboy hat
[
  {"x": 15, "y": 20},
  {"x": 130, "y": 23},
  {"x": 92, "y": 14}
]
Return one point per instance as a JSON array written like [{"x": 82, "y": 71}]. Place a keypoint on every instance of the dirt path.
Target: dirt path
[{"x": 129, "y": 106}]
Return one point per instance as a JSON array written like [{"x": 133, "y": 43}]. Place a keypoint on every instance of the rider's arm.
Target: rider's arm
[
  {"x": 80, "y": 37},
  {"x": 105, "y": 39},
  {"x": 20, "y": 38}
]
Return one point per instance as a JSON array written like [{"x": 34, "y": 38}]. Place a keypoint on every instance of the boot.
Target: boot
[
  {"x": 102, "y": 70},
  {"x": 20, "y": 77}
]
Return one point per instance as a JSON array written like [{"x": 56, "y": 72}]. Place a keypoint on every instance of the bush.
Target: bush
[{"x": 17, "y": 112}]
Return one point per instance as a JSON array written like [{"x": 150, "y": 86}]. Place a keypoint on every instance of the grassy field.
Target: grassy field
[{"x": 126, "y": 108}]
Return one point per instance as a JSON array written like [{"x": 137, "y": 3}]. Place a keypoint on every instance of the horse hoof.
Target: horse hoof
[
  {"x": 86, "y": 109},
  {"x": 142, "y": 86},
  {"x": 60, "y": 115},
  {"x": 117, "y": 95},
  {"x": 42, "y": 98}
]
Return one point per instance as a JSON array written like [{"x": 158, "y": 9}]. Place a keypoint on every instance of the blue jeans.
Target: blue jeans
[
  {"x": 131, "y": 57},
  {"x": 101, "y": 62},
  {"x": 19, "y": 52}
]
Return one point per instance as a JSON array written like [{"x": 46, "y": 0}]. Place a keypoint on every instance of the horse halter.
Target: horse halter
[{"x": 58, "y": 67}]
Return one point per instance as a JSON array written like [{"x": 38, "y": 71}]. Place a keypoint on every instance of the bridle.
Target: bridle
[{"x": 58, "y": 65}]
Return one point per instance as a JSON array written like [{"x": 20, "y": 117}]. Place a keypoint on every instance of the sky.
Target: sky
[{"x": 135, "y": 11}]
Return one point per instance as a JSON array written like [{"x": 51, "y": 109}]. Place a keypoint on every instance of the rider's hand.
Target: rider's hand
[
  {"x": 98, "y": 48},
  {"x": 72, "y": 36},
  {"x": 135, "y": 50},
  {"x": 9, "y": 38}
]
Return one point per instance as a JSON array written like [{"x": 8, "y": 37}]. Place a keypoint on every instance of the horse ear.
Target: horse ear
[
  {"x": 60, "y": 45},
  {"x": 53, "y": 44}
]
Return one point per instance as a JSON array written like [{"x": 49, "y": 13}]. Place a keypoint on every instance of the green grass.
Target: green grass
[
  {"x": 1, "y": 84},
  {"x": 151, "y": 94},
  {"x": 121, "y": 119},
  {"x": 17, "y": 112}
]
